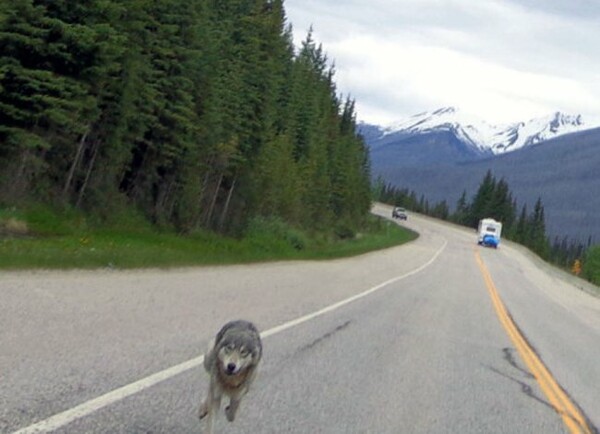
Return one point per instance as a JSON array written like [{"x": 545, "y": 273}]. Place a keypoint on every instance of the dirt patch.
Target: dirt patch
[{"x": 13, "y": 227}]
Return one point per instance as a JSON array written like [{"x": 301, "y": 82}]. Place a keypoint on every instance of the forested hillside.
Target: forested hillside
[
  {"x": 562, "y": 171},
  {"x": 199, "y": 114}
]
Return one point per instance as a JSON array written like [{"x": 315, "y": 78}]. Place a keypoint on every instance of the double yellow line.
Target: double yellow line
[{"x": 562, "y": 404}]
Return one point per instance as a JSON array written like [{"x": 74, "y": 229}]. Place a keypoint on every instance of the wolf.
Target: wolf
[{"x": 231, "y": 363}]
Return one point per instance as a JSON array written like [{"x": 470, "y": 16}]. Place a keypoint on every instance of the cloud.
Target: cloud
[
  {"x": 436, "y": 76},
  {"x": 498, "y": 58},
  {"x": 584, "y": 9}
]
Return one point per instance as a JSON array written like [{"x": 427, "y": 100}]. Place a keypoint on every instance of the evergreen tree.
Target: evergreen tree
[
  {"x": 440, "y": 210},
  {"x": 482, "y": 202},
  {"x": 461, "y": 214},
  {"x": 591, "y": 265},
  {"x": 501, "y": 204},
  {"x": 278, "y": 181},
  {"x": 492, "y": 200},
  {"x": 538, "y": 241},
  {"x": 199, "y": 114},
  {"x": 46, "y": 107},
  {"x": 521, "y": 234}
]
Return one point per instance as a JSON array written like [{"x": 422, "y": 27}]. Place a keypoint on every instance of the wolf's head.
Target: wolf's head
[{"x": 238, "y": 351}]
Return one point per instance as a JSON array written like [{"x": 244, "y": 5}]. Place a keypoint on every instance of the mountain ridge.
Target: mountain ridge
[
  {"x": 482, "y": 135},
  {"x": 562, "y": 171}
]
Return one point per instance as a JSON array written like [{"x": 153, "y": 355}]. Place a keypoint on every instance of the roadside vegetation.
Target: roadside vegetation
[
  {"x": 39, "y": 237},
  {"x": 170, "y": 132},
  {"x": 591, "y": 265},
  {"x": 494, "y": 199},
  {"x": 200, "y": 116}
]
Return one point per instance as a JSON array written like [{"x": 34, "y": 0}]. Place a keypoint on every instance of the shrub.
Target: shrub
[
  {"x": 274, "y": 232},
  {"x": 591, "y": 265},
  {"x": 344, "y": 232}
]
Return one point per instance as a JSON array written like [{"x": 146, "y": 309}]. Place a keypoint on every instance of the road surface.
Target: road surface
[{"x": 436, "y": 336}]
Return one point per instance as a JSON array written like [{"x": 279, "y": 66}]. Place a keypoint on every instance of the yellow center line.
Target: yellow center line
[{"x": 559, "y": 400}]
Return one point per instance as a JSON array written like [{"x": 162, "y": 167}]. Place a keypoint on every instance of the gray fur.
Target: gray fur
[{"x": 231, "y": 364}]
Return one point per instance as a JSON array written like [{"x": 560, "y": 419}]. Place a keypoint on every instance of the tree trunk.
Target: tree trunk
[
  {"x": 213, "y": 201},
  {"x": 226, "y": 207},
  {"x": 19, "y": 184},
  {"x": 201, "y": 198},
  {"x": 162, "y": 207},
  {"x": 87, "y": 175},
  {"x": 74, "y": 165},
  {"x": 172, "y": 199}
]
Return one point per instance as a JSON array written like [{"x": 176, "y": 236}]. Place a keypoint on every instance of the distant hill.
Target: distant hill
[{"x": 563, "y": 171}]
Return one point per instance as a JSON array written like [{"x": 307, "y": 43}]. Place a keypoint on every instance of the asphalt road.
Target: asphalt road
[{"x": 421, "y": 349}]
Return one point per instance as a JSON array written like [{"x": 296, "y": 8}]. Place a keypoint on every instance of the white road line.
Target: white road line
[
  {"x": 339, "y": 304},
  {"x": 61, "y": 419}
]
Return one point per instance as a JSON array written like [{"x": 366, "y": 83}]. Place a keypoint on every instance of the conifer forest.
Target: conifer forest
[{"x": 198, "y": 114}]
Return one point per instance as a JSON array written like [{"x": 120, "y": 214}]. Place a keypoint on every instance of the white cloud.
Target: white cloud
[{"x": 497, "y": 59}]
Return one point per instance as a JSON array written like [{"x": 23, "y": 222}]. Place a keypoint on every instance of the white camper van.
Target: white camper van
[{"x": 489, "y": 232}]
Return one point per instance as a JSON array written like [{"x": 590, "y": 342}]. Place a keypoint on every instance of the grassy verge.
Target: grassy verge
[
  {"x": 591, "y": 265},
  {"x": 39, "y": 238}
]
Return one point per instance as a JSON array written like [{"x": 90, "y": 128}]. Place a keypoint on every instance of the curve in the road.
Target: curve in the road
[{"x": 64, "y": 418}]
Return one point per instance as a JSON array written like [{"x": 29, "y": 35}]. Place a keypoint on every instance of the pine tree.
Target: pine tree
[
  {"x": 521, "y": 234},
  {"x": 199, "y": 114},
  {"x": 440, "y": 210},
  {"x": 461, "y": 213},
  {"x": 538, "y": 241},
  {"x": 278, "y": 181},
  {"x": 46, "y": 107},
  {"x": 482, "y": 202},
  {"x": 501, "y": 204}
]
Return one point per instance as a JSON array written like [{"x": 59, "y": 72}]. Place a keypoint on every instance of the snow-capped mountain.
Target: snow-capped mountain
[
  {"x": 484, "y": 137},
  {"x": 442, "y": 154}
]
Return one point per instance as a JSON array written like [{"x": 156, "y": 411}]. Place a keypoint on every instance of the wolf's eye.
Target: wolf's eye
[{"x": 244, "y": 352}]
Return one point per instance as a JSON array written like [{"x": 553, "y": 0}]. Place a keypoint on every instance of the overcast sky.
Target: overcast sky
[{"x": 502, "y": 60}]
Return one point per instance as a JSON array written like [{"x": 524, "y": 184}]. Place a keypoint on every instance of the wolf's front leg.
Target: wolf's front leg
[
  {"x": 209, "y": 407},
  {"x": 212, "y": 413},
  {"x": 203, "y": 409},
  {"x": 206, "y": 404},
  {"x": 231, "y": 409}
]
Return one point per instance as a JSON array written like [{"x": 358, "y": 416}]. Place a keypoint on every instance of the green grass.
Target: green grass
[
  {"x": 591, "y": 265},
  {"x": 65, "y": 240}
]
